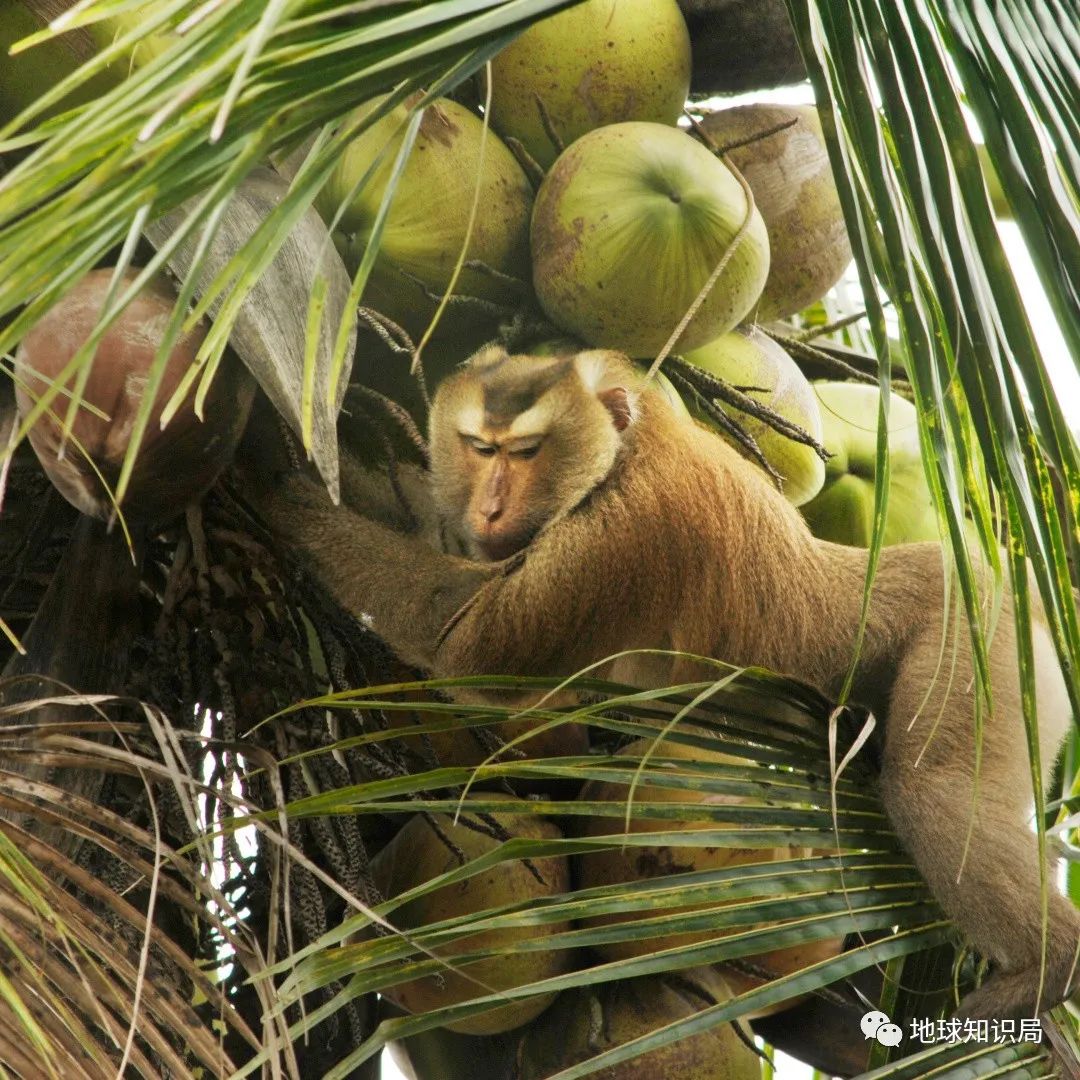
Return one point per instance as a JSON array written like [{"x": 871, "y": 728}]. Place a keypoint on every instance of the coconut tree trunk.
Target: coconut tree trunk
[{"x": 79, "y": 642}]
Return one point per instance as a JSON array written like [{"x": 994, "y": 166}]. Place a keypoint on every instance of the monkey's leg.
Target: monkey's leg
[{"x": 988, "y": 881}]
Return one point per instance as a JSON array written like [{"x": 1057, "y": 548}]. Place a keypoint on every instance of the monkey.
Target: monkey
[{"x": 595, "y": 520}]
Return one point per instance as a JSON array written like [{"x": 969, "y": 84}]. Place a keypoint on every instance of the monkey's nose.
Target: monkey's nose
[{"x": 491, "y": 510}]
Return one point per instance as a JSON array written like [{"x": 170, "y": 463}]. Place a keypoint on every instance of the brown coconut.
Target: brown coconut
[
  {"x": 641, "y": 862},
  {"x": 775, "y": 965},
  {"x": 417, "y": 854},
  {"x": 584, "y": 1023},
  {"x": 438, "y": 1054},
  {"x": 635, "y": 863},
  {"x": 175, "y": 464},
  {"x": 792, "y": 181}
]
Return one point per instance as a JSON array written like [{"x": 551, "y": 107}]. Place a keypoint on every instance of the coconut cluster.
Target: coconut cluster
[
  {"x": 583, "y": 199},
  {"x": 528, "y": 942}
]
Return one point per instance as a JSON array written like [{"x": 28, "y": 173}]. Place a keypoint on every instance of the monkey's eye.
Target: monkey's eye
[
  {"x": 482, "y": 448},
  {"x": 526, "y": 452}
]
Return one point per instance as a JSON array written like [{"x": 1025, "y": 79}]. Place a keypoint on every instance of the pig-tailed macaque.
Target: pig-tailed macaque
[{"x": 597, "y": 520}]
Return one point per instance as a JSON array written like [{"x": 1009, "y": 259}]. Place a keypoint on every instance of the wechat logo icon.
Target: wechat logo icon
[{"x": 877, "y": 1025}]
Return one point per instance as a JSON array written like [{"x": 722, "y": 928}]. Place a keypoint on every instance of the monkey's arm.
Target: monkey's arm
[
  {"x": 401, "y": 500},
  {"x": 408, "y": 590},
  {"x": 589, "y": 586},
  {"x": 575, "y": 596}
]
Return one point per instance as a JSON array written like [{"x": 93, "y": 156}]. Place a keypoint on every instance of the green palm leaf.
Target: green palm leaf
[{"x": 962, "y": 1061}]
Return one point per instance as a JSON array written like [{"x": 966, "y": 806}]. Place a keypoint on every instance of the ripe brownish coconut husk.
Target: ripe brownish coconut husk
[
  {"x": 741, "y": 45},
  {"x": 176, "y": 464},
  {"x": 766, "y": 967},
  {"x": 418, "y": 854},
  {"x": 637, "y": 863},
  {"x": 584, "y": 1023},
  {"x": 792, "y": 181}
]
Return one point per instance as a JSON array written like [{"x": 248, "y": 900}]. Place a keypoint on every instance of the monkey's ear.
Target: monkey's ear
[
  {"x": 604, "y": 371},
  {"x": 621, "y": 404}
]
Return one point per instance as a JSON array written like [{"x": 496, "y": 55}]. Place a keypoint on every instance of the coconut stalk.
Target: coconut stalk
[{"x": 750, "y": 359}]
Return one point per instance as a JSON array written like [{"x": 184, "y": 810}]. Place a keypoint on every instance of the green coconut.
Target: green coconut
[
  {"x": 792, "y": 181},
  {"x": 749, "y": 358},
  {"x": 417, "y": 855},
  {"x": 843, "y": 512},
  {"x": 629, "y": 225},
  {"x": 586, "y": 1022},
  {"x": 28, "y": 74},
  {"x": 667, "y": 388},
  {"x": 598, "y": 62},
  {"x": 426, "y": 228}
]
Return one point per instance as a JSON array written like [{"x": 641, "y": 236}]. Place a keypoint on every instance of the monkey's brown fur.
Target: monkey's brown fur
[{"x": 645, "y": 531}]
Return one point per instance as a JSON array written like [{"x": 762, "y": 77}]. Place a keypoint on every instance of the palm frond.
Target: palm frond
[
  {"x": 89, "y": 981},
  {"x": 962, "y": 1060},
  {"x": 893, "y": 81},
  {"x": 845, "y": 875},
  {"x": 902, "y": 89}
]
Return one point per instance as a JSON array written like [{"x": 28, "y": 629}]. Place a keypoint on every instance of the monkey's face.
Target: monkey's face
[
  {"x": 517, "y": 441},
  {"x": 506, "y": 498}
]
